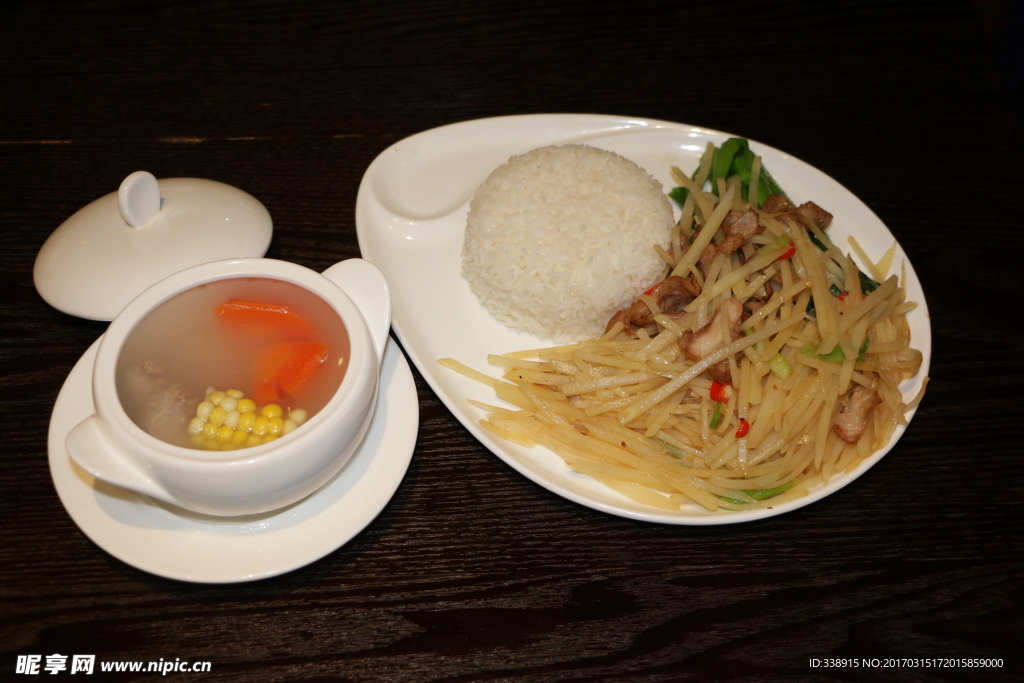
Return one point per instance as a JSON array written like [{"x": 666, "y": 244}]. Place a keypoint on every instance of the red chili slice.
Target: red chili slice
[
  {"x": 787, "y": 254},
  {"x": 720, "y": 392}
]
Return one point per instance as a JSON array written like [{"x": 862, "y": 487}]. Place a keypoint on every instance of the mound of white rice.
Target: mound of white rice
[{"x": 560, "y": 238}]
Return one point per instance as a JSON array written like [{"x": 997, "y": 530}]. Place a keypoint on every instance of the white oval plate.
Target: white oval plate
[
  {"x": 178, "y": 545},
  {"x": 410, "y": 218}
]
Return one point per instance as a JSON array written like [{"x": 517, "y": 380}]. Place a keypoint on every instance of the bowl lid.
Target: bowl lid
[{"x": 113, "y": 249}]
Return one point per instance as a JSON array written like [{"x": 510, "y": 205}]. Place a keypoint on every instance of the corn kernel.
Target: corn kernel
[
  {"x": 252, "y": 440},
  {"x": 299, "y": 415},
  {"x": 234, "y": 393},
  {"x": 289, "y": 426},
  {"x": 239, "y": 437},
  {"x": 246, "y": 405},
  {"x": 195, "y": 425},
  {"x": 216, "y": 397},
  {"x": 229, "y": 403},
  {"x": 231, "y": 419},
  {"x": 271, "y": 410},
  {"x": 218, "y": 415},
  {"x": 269, "y": 437},
  {"x": 204, "y": 409},
  {"x": 211, "y": 445},
  {"x": 198, "y": 440},
  {"x": 225, "y": 433},
  {"x": 246, "y": 421},
  {"x": 260, "y": 426},
  {"x": 209, "y": 430},
  {"x": 275, "y": 425}
]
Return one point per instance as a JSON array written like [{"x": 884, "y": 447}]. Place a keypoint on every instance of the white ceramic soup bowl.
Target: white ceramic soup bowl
[{"x": 111, "y": 447}]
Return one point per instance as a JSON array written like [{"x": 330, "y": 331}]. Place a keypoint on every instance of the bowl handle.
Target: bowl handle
[
  {"x": 368, "y": 288},
  {"x": 94, "y": 451}
]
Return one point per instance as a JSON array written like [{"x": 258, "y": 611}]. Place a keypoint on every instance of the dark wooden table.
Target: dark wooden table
[{"x": 472, "y": 572}]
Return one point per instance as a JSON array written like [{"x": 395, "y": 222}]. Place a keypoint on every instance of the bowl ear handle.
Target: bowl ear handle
[
  {"x": 94, "y": 452},
  {"x": 368, "y": 288}
]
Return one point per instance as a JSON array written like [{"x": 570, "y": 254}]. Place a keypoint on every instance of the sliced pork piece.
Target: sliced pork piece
[
  {"x": 707, "y": 257},
  {"x": 808, "y": 214},
  {"x": 671, "y": 294},
  {"x": 738, "y": 227},
  {"x": 814, "y": 215},
  {"x": 708, "y": 339},
  {"x": 853, "y": 418},
  {"x": 759, "y": 298},
  {"x": 777, "y": 203}
]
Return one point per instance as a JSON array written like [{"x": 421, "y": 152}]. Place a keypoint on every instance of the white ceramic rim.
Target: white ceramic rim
[{"x": 108, "y": 405}]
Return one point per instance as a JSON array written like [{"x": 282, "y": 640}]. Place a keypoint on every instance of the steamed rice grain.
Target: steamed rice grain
[{"x": 560, "y": 238}]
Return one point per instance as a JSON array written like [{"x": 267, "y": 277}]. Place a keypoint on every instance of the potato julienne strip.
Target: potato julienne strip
[
  {"x": 612, "y": 360},
  {"x": 611, "y": 431},
  {"x": 508, "y": 434},
  {"x": 554, "y": 435},
  {"x": 669, "y": 324},
  {"x": 824, "y": 426},
  {"x": 514, "y": 395},
  {"x": 487, "y": 406},
  {"x": 703, "y": 238},
  {"x": 545, "y": 378},
  {"x": 775, "y": 346},
  {"x": 868, "y": 303},
  {"x": 665, "y": 256},
  {"x": 543, "y": 353},
  {"x": 655, "y": 345},
  {"x": 704, "y": 168},
  {"x": 831, "y": 368},
  {"x": 701, "y": 202},
  {"x": 467, "y": 371},
  {"x": 765, "y": 256},
  {"x": 611, "y": 404},
  {"x": 648, "y": 401},
  {"x": 828, "y": 320},
  {"x": 640, "y": 494},
  {"x": 868, "y": 263},
  {"x": 664, "y": 413},
  {"x": 745, "y": 290},
  {"x": 767, "y": 449},
  {"x": 509, "y": 362},
  {"x": 684, "y": 225},
  {"x": 703, "y": 301},
  {"x": 773, "y": 303},
  {"x": 576, "y": 388},
  {"x": 618, "y": 472},
  {"x": 904, "y": 308}
]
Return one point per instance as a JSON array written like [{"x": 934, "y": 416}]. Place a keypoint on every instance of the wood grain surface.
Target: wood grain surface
[{"x": 471, "y": 572}]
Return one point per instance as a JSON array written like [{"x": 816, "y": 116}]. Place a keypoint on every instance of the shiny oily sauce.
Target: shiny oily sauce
[{"x": 183, "y": 347}]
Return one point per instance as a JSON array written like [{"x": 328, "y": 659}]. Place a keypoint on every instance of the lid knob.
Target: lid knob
[{"x": 138, "y": 198}]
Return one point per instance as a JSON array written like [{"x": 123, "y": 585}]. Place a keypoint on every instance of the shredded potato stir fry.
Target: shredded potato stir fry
[{"x": 640, "y": 415}]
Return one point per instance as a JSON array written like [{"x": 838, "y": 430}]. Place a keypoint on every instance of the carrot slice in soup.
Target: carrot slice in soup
[
  {"x": 261, "y": 316},
  {"x": 284, "y": 368}
]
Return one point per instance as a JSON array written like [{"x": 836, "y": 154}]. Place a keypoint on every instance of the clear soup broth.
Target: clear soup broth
[{"x": 232, "y": 363}]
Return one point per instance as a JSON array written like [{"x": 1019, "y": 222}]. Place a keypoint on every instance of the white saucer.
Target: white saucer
[{"x": 177, "y": 545}]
